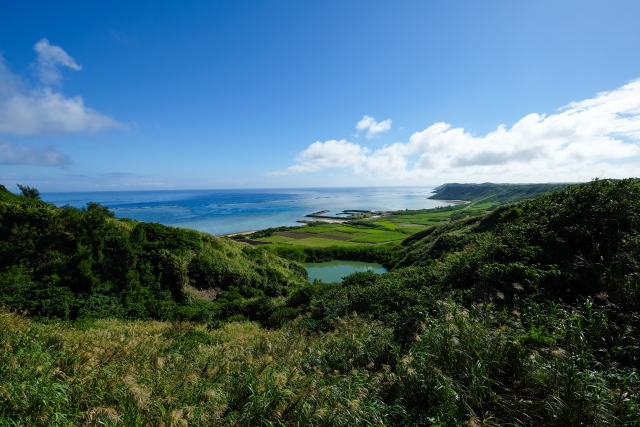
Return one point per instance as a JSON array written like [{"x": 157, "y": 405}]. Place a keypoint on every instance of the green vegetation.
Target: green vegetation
[
  {"x": 409, "y": 220},
  {"x": 322, "y": 234},
  {"x": 480, "y": 200},
  {"x": 496, "y": 193},
  {"x": 314, "y": 242},
  {"x": 394, "y": 227},
  {"x": 73, "y": 263},
  {"x": 526, "y": 315},
  {"x": 29, "y": 192}
]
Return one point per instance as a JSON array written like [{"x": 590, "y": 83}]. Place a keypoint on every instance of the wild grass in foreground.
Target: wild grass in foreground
[
  {"x": 112, "y": 372},
  {"x": 479, "y": 366}
]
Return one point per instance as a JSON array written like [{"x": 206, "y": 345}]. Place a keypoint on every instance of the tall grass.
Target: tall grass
[
  {"x": 537, "y": 365},
  {"x": 524, "y": 368},
  {"x": 111, "y": 372}
]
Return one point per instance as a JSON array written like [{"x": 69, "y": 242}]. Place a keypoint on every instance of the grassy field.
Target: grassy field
[
  {"x": 325, "y": 235},
  {"x": 111, "y": 372},
  {"x": 392, "y": 228},
  {"x": 396, "y": 226},
  {"x": 427, "y": 217},
  {"x": 314, "y": 242}
]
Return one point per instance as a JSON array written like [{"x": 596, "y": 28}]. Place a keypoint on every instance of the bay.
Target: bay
[{"x": 231, "y": 211}]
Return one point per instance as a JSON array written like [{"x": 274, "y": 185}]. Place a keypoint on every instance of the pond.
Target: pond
[{"x": 334, "y": 271}]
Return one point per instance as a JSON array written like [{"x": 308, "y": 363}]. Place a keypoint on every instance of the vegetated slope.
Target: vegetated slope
[
  {"x": 69, "y": 263},
  {"x": 578, "y": 243},
  {"x": 546, "y": 304},
  {"x": 526, "y": 316},
  {"x": 488, "y": 192}
]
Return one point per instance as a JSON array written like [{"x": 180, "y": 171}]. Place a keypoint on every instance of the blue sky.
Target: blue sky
[{"x": 207, "y": 94}]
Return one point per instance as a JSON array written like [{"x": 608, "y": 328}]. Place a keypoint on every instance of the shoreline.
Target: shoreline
[
  {"x": 301, "y": 223},
  {"x": 319, "y": 216},
  {"x": 238, "y": 233},
  {"x": 457, "y": 202}
]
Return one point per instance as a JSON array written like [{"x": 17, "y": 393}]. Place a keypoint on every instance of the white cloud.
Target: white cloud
[
  {"x": 19, "y": 154},
  {"x": 324, "y": 155},
  {"x": 49, "y": 61},
  {"x": 595, "y": 137},
  {"x": 373, "y": 127},
  {"x": 45, "y": 111}
]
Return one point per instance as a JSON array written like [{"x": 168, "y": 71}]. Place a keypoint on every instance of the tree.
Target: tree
[{"x": 29, "y": 192}]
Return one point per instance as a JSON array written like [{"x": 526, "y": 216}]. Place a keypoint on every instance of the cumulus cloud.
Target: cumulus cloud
[
  {"x": 372, "y": 127},
  {"x": 19, "y": 154},
  {"x": 50, "y": 60},
  {"x": 595, "y": 137},
  {"x": 44, "y": 111},
  {"x": 323, "y": 155}
]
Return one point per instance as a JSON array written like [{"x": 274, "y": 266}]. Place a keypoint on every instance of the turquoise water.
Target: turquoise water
[
  {"x": 334, "y": 271},
  {"x": 230, "y": 211}
]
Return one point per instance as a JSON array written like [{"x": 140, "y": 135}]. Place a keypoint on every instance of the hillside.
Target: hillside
[
  {"x": 488, "y": 192},
  {"x": 70, "y": 263},
  {"x": 525, "y": 316}
]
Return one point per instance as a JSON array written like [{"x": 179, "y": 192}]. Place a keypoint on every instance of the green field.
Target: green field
[
  {"x": 391, "y": 228},
  {"x": 326, "y": 235},
  {"x": 310, "y": 242}
]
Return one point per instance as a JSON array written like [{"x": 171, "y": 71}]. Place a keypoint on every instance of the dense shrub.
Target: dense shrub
[{"x": 69, "y": 263}]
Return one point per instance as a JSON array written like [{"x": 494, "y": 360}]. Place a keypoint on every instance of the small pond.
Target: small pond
[{"x": 334, "y": 271}]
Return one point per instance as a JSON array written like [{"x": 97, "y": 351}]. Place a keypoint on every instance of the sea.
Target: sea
[{"x": 231, "y": 211}]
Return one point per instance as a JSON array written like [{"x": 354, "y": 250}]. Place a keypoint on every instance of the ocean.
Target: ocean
[{"x": 230, "y": 211}]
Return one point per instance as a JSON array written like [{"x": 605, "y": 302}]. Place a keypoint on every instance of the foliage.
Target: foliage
[
  {"x": 541, "y": 367},
  {"x": 111, "y": 372},
  {"x": 523, "y": 316},
  {"x": 383, "y": 254},
  {"x": 30, "y": 192},
  {"x": 488, "y": 192},
  {"x": 570, "y": 244},
  {"x": 69, "y": 263}
]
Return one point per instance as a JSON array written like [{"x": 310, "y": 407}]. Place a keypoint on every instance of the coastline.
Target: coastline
[
  {"x": 239, "y": 233},
  {"x": 229, "y": 213},
  {"x": 457, "y": 202},
  {"x": 301, "y": 223}
]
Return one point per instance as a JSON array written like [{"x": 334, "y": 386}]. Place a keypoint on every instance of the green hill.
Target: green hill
[
  {"x": 70, "y": 263},
  {"x": 567, "y": 246},
  {"x": 488, "y": 192}
]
